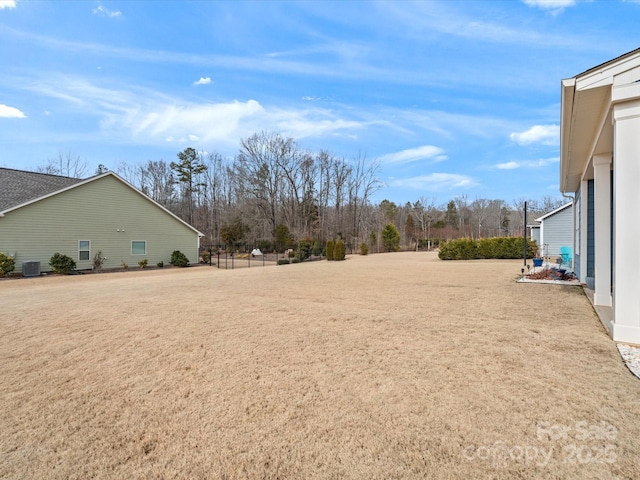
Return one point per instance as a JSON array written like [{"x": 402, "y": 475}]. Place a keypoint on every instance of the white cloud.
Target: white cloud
[
  {"x": 542, "y": 162},
  {"x": 193, "y": 138},
  {"x": 425, "y": 152},
  {"x": 10, "y": 112},
  {"x": 435, "y": 182},
  {"x": 310, "y": 123},
  {"x": 544, "y": 134},
  {"x": 203, "y": 81},
  {"x": 7, "y": 4},
  {"x": 133, "y": 114},
  {"x": 105, "y": 12},
  {"x": 508, "y": 165},
  {"x": 553, "y": 6}
]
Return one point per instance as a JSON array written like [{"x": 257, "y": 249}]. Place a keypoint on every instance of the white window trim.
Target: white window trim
[
  {"x": 79, "y": 250},
  {"x": 138, "y": 241}
]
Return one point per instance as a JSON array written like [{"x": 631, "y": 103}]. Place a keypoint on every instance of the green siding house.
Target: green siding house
[{"x": 42, "y": 214}]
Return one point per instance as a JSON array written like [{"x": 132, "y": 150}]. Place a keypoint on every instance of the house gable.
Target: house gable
[{"x": 104, "y": 211}]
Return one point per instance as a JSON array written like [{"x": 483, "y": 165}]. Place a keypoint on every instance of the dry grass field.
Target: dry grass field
[{"x": 379, "y": 367}]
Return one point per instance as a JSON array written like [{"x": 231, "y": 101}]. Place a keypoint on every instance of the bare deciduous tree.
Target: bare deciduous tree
[{"x": 67, "y": 164}]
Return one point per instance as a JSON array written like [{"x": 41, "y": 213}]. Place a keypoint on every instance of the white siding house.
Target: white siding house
[
  {"x": 43, "y": 214},
  {"x": 556, "y": 230},
  {"x": 600, "y": 168}
]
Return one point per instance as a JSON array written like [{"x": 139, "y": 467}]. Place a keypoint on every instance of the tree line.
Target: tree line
[{"x": 274, "y": 194}]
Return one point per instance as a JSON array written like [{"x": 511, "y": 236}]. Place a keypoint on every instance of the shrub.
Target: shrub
[
  {"x": 295, "y": 260},
  {"x": 304, "y": 249},
  {"x": 143, "y": 263},
  {"x": 160, "y": 264},
  {"x": 330, "y": 247},
  {"x": 179, "y": 259},
  {"x": 339, "y": 250},
  {"x": 62, "y": 263},
  {"x": 98, "y": 260},
  {"x": 7, "y": 264},
  {"x": 283, "y": 261},
  {"x": 123, "y": 264},
  {"x": 265, "y": 246},
  {"x": 317, "y": 248},
  {"x": 499, "y": 247},
  {"x": 283, "y": 239},
  {"x": 390, "y": 238},
  {"x": 364, "y": 249},
  {"x": 460, "y": 249},
  {"x": 205, "y": 256}
]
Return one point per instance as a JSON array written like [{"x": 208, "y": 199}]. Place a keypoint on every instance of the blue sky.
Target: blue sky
[{"x": 449, "y": 97}]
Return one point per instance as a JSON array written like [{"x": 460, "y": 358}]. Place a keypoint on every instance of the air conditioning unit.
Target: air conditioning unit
[{"x": 31, "y": 269}]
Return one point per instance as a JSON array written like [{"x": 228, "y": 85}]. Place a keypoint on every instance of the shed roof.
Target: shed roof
[{"x": 553, "y": 212}]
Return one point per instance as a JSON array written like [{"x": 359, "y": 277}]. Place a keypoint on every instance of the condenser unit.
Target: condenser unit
[{"x": 30, "y": 269}]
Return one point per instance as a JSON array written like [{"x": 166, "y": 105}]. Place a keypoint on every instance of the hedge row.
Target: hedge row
[{"x": 498, "y": 247}]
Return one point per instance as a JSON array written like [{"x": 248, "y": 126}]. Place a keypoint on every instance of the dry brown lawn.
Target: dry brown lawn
[{"x": 385, "y": 366}]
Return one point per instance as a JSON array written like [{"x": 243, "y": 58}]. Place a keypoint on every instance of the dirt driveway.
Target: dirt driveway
[{"x": 385, "y": 366}]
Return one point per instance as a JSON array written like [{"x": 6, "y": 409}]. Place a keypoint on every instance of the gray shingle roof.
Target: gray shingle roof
[{"x": 18, "y": 186}]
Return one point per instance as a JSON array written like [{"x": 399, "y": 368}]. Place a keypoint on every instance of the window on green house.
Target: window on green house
[
  {"x": 139, "y": 247},
  {"x": 84, "y": 249}
]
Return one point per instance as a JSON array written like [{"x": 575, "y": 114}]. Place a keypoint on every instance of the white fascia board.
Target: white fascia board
[
  {"x": 623, "y": 93},
  {"x": 606, "y": 73}
]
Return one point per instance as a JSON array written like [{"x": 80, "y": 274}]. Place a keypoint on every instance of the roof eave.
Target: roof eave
[{"x": 566, "y": 117}]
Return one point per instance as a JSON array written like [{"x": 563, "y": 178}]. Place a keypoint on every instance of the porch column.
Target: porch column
[
  {"x": 626, "y": 171},
  {"x": 602, "y": 228},
  {"x": 582, "y": 222}
]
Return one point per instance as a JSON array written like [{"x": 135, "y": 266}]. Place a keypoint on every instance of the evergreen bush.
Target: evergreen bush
[
  {"x": 179, "y": 259},
  {"x": 304, "y": 249},
  {"x": 364, "y": 249},
  {"x": 62, "y": 263},
  {"x": 330, "y": 248},
  {"x": 339, "y": 250},
  {"x": 390, "y": 238},
  {"x": 317, "y": 248},
  {"x": 7, "y": 264},
  {"x": 498, "y": 247}
]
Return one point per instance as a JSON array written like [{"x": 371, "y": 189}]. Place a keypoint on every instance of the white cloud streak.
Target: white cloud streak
[
  {"x": 435, "y": 182},
  {"x": 7, "y": 4},
  {"x": 556, "y": 5},
  {"x": 105, "y": 12},
  {"x": 133, "y": 114},
  {"x": 10, "y": 112},
  {"x": 543, "y": 134},
  {"x": 512, "y": 165},
  {"x": 426, "y": 152}
]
